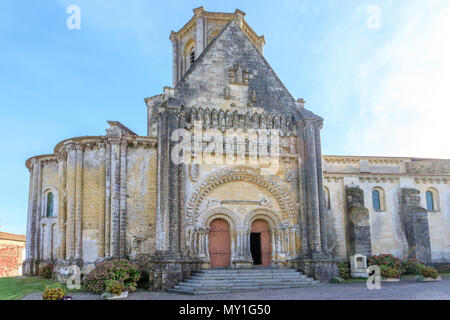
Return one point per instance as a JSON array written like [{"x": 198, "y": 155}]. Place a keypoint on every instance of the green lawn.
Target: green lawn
[{"x": 15, "y": 288}]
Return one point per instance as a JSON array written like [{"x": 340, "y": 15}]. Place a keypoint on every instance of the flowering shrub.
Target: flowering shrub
[
  {"x": 122, "y": 270},
  {"x": 412, "y": 266},
  {"x": 54, "y": 292},
  {"x": 47, "y": 271},
  {"x": 386, "y": 259},
  {"x": 389, "y": 272},
  {"x": 344, "y": 270},
  {"x": 8, "y": 260},
  {"x": 430, "y": 272},
  {"x": 115, "y": 287},
  {"x": 444, "y": 268}
]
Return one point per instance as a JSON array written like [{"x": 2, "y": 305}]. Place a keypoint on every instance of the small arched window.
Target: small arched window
[
  {"x": 430, "y": 202},
  {"x": 192, "y": 56},
  {"x": 376, "y": 200},
  {"x": 49, "y": 212},
  {"x": 432, "y": 198}
]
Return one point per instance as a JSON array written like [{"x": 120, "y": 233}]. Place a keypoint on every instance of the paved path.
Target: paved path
[{"x": 404, "y": 290}]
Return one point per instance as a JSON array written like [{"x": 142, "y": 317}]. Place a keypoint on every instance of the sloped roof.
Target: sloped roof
[
  {"x": 208, "y": 75},
  {"x": 12, "y": 236}
]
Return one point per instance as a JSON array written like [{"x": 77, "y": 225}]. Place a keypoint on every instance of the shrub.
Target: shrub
[
  {"x": 337, "y": 280},
  {"x": 389, "y": 272},
  {"x": 47, "y": 271},
  {"x": 115, "y": 287},
  {"x": 388, "y": 260},
  {"x": 412, "y": 266},
  {"x": 54, "y": 292},
  {"x": 444, "y": 268},
  {"x": 344, "y": 270},
  {"x": 122, "y": 270},
  {"x": 430, "y": 272}
]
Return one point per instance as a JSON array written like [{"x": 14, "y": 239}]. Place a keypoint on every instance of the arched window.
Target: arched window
[
  {"x": 192, "y": 56},
  {"x": 49, "y": 212},
  {"x": 189, "y": 54},
  {"x": 376, "y": 200},
  {"x": 432, "y": 198}
]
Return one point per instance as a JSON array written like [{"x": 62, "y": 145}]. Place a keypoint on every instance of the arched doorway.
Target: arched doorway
[
  {"x": 219, "y": 244},
  {"x": 260, "y": 243}
]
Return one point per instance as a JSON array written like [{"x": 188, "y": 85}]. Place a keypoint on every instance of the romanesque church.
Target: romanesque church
[{"x": 248, "y": 188}]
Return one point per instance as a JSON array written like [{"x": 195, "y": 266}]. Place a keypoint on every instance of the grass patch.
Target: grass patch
[
  {"x": 355, "y": 280},
  {"x": 15, "y": 288}
]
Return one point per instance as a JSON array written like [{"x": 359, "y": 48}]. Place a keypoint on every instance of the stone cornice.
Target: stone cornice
[
  {"x": 40, "y": 158},
  {"x": 200, "y": 12},
  {"x": 89, "y": 143},
  {"x": 383, "y": 177}
]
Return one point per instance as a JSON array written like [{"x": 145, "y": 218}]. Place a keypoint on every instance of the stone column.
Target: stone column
[
  {"x": 62, "y": 206},
  {"x": 107, "y": 239},
  {"x": 415, "y": 222},
  {"x": 38, "y": 211},
  {"x": 322, "y": 207},
  {"x": 168, "y": 215},
  {"x": 312, "y": 188},
  {"x": 78, "y": 202},
  {"x": 123, "y": 198},
  {"x": 70, "y": 190},
  {"x": 115, "y": 197},
  {"x": 207, "y": 230},
  {"x": 174, "y": 40}
]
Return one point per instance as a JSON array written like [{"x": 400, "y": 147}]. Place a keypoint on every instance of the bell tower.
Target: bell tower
[{"x": 189, "y": 42}]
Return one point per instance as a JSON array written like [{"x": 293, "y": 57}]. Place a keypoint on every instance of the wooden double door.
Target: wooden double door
[{"x": 220, "y": 245}]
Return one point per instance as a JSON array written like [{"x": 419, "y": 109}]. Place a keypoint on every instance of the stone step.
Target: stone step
[
  {"x": 244, "y": 280},
  {"x": 249, "y": 271},
  {"x": 218, "y": 278},
  {"x": 246, "y": 284},
  {"x": 211, "y": 289},
  {"x": 228, "y": 280}
]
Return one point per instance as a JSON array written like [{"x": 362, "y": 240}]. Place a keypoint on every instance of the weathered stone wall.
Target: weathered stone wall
[
  {"x": 141, "y": 201},
  {"x": 390, "y": 175}
]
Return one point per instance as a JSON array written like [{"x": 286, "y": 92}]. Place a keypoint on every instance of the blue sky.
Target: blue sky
[{"x": 381, "y": 91}]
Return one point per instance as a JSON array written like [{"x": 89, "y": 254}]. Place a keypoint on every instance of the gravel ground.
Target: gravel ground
[{"x": 403, "y": 290}]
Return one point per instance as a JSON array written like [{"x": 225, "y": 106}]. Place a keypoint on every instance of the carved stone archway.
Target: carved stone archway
[{"x": 270, "y": 183}]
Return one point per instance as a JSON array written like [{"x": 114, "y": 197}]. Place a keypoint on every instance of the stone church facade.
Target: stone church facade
[{"x": 252, "y": 187}]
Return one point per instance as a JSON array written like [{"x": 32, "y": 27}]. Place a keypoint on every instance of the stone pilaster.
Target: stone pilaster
[
  {"x": 314, "y": 258},
  {"x": 78, "y": 202},
  {"x": 415, "y": 223},
  {"x": 123, "y": 198},
  {"x": 169, "y": 266},
  {"x": 358, "y": 227},
  {"x": 174, "y": 40},
  {"x": 102, "y": 184}
]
